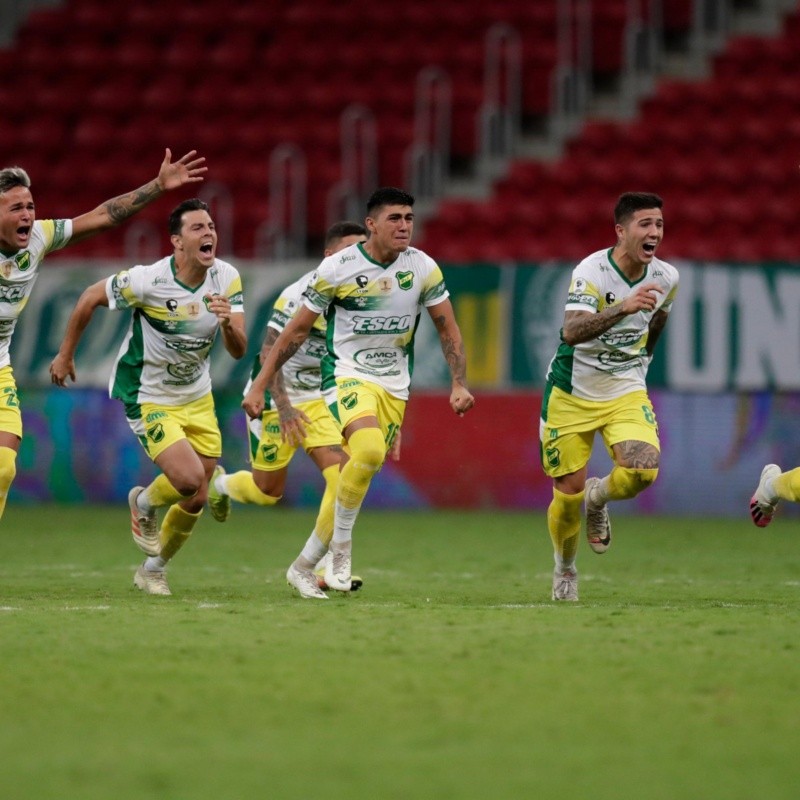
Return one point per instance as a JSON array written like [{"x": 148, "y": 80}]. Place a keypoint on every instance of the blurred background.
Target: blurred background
[{"x": 515, "y": 123}]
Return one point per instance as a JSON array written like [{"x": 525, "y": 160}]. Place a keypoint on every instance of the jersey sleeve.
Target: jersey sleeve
[
  {"x": 282, "y": 312},
  {"x": 433, "y": 288},
  {"x": 124, "y": 290},
  {"x": 671, "y": 295},
  {"x": 234, "y": 293},
  {"x": 56, "y": 233},
  {"x": 321, "y": 289},
  {"x": 584, "y": 293}
]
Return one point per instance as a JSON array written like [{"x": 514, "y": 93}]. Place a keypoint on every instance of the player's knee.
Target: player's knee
[
  {"x": 367, "y": 448},
  {"x": 639, "y": 479}
]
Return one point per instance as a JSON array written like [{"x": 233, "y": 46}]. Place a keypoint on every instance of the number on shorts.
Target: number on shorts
[
  {"x": 11, "y": 397},
  {"x": 648, "y": 415}
]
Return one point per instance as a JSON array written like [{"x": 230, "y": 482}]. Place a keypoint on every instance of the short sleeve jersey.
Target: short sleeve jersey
[
  {"x": 372, "y": 311},
  {"x": 615, "y": 363},
  {"x": 164, "y": 356},
  {"x": 301, "y": 373},
  {"x": 18, "y": 274}
]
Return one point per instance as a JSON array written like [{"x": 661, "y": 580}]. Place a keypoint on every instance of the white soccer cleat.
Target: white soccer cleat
[
  {"x": 356, "y": 582},
  {"x": 219, "y": 504},
  {"x": 305, "y": 581},
  {"x": 144, "y": 527},
  {"x": 598, "y": 524},
  {"x": 565, "y": 585},
  {"x": 762, "y": 505},
  {"x": 151, "y": 581},
  {"x": 338, "y": 568}
]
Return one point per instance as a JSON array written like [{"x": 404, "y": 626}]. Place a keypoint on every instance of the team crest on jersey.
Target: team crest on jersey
[
  {"x": 269, "y": 452},
  {"x": 23, "y": 260},
  {"x": 385, "y": 285},
  {"x": 350, "y": 401},
  {"x": 405, "y": 280},
  {"x": 156, "y": 433},
  {"x": 553, "y": 456}
]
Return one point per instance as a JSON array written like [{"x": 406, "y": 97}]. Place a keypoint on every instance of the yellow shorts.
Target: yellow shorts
[
  {"x": 269, "y": 454},
  {"x": 356, "y": 398},
  {"x": 10, "y": 417},
  {"x": 160, "y": 426},
  {"x": 568, "y": 426}
]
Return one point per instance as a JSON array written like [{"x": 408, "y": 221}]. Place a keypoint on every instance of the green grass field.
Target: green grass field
[{"x": 450, "y": 675}]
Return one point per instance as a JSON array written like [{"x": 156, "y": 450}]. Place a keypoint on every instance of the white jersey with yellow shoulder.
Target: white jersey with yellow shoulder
[
  {"x": 372, "y": 311},
  {"x": 18, "y": 274},
  {"x": 164, "y": 356},
  {"x": 301, "y": 373},
  {"x": 615, "y": 363}
]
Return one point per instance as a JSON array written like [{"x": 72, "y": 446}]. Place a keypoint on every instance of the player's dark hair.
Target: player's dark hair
[
  {"x": 176, "y": 217},
  {"x": 388, "y": 196},
  {"x": 10, "y": 177},
  {"x": 631, "y": 202},
  {"x": 339, "y": 230}
]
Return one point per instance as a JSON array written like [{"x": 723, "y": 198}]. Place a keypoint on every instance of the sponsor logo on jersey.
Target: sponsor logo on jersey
[
  {"x": 307, "y": 378},
  {"x": 381, "y": 324},
  {"x": 23, "y": 260},
  {"x": 273, "y": 428},
  {"x": 579, "y": 287},
  {"x": 187, "y": 345},
  {"x": 610, "y": 298},
  {"x": 12, "y": 293},
  {"x": 405, "y": 280},
  {"x": 343, "y": 260},
  {"x": 183, "y": 374},
  {"x": 159, "y": 281},
  {"x": 376, "y": 358},
  {"x": 172, "y": 307},
  {"x": 315, "y": 349},
  {"x": 620, "y": 338},
  {"x": 350, "y": 384},
  {"x": 361, "y": 281},
  {"x": 154, "y": 415}
]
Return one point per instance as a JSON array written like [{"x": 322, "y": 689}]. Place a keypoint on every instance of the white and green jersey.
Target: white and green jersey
[
  {"x": 164, "y": 356},
  {"x": 372, "y": 311},
  {"x": 18, "y": 274},
  {"x": 301, "y": 373},
  {"x": 615, "y": 363}
]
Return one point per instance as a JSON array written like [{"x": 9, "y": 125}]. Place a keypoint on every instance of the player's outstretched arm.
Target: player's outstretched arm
[
  {"x": 171, "y": 175},
  {"x": 63, "y": 365},
  {"x": 452, "y": 344},
  {"x": 286, "y": 345}
]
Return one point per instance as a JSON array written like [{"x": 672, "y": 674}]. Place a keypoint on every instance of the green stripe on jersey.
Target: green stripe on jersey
[
  {"x": 561, "y": 368},
  {"x": 128, "y": 376}
]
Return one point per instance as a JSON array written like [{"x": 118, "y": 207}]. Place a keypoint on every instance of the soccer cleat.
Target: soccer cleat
[
  {"x": 565, "y": 585},
  {"x": 598, "y": 524},
  {"x": 337, "y": 569},
  {"x": 144, "y": 527},
  {"x": 761, "y": 507},
  {"x": 220, "y": 504},
  {"x": 151, "y": 581},
  {"x": 305, "y": 581},
  {"x": 356, "y": 582}
]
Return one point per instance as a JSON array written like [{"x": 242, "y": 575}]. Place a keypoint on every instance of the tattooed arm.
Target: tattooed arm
[
  {"x": 285, "y": 346},
  {"x": 582, "y": 326},
  {"x": 657, "y": 323},
  {"x": 444, "y": 319},
  {"x": 187, "y": 169},
  {"x": 292, "y": 420}
]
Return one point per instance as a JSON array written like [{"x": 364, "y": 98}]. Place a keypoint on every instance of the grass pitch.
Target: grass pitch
[{"x": 450, "y": 675}]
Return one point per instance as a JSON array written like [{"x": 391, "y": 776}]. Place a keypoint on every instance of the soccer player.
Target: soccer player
[
  {"x": 372, "y": 295},
  {"x": 161, "y": 374},
  {"x": 25, "y": 241},
  {"x": 774, "y": 485},
  {"x": 617, "y": 306},
  {"x": 295, "y": 416}
]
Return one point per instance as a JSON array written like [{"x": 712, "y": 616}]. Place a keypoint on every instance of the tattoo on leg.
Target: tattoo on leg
[{"x": 636, "y": 455}]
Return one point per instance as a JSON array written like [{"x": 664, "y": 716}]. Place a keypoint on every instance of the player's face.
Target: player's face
[
  {"x": 345, "y": 241},
  {"x": 17, "y": 215},
  {"x": 391, "y": 229},
  {"x": 198, "y": 238},
  {"x": 640, "y": 236}
]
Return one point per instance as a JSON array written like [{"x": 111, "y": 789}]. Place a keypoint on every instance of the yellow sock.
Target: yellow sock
[
  {"x": 564, "y": 525},
  {"x": 367, "y": 451},
  {"x": 8, "y": 471},
  {"x": 162, "y": 493},
  {"x": 787, "y": 485},
  {"x": 175, "y": 530},
  {"x": 622, "y": 483},
  {"x": 324, "y": 525},
  {"x": 241, "y": 487}
]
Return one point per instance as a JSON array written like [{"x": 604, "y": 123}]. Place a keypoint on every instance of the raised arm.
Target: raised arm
[
  {"x": 582, "y": 326},
  {"x": 231, "y": 324},
  {"x": 452, "y": 344},
  {"x": 186, "y": 169},
  {"x": 63, "y": 365},
  {"x": 286, "y": 345}
]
